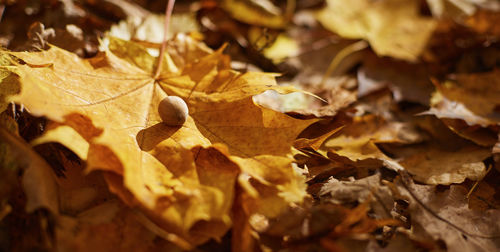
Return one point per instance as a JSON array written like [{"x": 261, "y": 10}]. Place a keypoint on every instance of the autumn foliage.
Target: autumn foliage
[{"x": 310, "y": 126}]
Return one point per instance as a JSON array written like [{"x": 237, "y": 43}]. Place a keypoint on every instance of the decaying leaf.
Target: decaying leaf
[
  {"x": 182, "y": 177},
  {"x": 393, "y": 27},
  {"x": 361, "y": 190},
  {"x": 444, "y": 215}
]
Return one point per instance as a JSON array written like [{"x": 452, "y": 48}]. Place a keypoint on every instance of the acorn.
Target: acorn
[{"x": 173, "y": 111}]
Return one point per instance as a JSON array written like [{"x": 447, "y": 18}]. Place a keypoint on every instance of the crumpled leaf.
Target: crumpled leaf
[
  {"x": 470, "y": 97},
  {"x": 38, "y": 180},
  {"x": 182, "y": 177},
  {"x": 88, "y": 208},
  {"x": 357, "y": 221},
  {"x": 393, "y": 27},
  {"x": 357, "y": 140},
  {"x": 444, "y": 215},
  {"x": 119, "y": 228},
  {"x": 434, "y": 165},
  {"x": 408, "y": 82},
  {"x": 479, "y": 135},
  {"x": 444, "y": 158},
  {"x": 341, "y": 192}
]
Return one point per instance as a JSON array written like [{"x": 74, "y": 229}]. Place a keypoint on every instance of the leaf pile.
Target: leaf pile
[{"x": 401, "y": 153}]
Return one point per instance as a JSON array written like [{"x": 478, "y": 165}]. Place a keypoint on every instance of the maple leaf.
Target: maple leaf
[
  {"x": 182, "y": 177},
  {"x": 393, "y": 27}
]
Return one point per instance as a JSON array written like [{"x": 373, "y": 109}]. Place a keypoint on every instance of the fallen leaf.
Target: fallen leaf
[
  {"x": 470, "y": 97},
  {"x": 183, "y": 177},
  {"x": 443, "y": 158},
  {"x": 357, "y": 140},
  {"x": 451, "y": 8},
  {"x": 393, "y": 27},
  {"x": 408, "y": 82},
  {"x": 484, "y": 20},
  {"x": 277, "y": 49},
  {"x": 479, "y": 135},
  {"x": 150, "y": 28},
  {"x": 38, "y": 180},
  {"x": 433, "y": 165},
  {"x": 444, "y": 215},
  {"x": 361, "y": 190},
  {"x": 262, "y": 12}
]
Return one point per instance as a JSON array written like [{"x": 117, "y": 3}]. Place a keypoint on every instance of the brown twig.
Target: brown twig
[{"x": 168, "y": 14}]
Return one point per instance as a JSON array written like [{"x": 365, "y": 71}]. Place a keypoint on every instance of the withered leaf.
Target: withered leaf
[
  {"x": 445, "y": 215},
  {"x": 360, "y": 190}
]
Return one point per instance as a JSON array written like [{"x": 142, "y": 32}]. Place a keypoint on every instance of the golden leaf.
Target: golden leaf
[
  {"x": 393, "y": 27},
  {"x": 183, "y": 177}
]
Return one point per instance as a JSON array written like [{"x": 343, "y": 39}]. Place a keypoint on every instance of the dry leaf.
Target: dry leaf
[
  {"x": 357, "y": 140},
  {"x": 341, "y": 192},
  {"x": 451, "y": 8},
  {"x": 393, "y": 27},
  {"x": 444, "y": 215},
  {"x": 182, "y": 177},
  {"x": 261, "y": 12},
  {"x": 150, "y": 28},
  {"x": 470, "y": 97},
  {"x": 408, "y": 82},
  {"x": 38, "y": 180},
  {"x": 433, "y": 165},
  {"x": 444, "y": 158}
]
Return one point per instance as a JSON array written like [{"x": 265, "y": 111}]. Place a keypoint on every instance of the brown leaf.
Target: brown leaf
[
  {"x": 361, "y": 190},
  {"x": 470, "y": 97},
  {"x": 444, "y": 215}
]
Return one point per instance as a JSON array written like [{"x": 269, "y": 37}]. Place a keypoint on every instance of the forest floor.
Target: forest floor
[{"x": 297, "y": 125}]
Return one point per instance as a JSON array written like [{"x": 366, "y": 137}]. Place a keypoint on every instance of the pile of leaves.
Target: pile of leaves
[{"x": 313, "y": 126}]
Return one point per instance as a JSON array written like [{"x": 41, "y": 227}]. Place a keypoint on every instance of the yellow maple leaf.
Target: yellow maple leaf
[
  {"x": 184, "y": 177},
  {"x": 393, "y": 27}
]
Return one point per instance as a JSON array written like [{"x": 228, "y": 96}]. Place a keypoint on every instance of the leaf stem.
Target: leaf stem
[{"x": 168, "y": 14}]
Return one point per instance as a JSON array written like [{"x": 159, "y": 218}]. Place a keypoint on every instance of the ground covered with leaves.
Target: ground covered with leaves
[{"x": 312, "y": 125}]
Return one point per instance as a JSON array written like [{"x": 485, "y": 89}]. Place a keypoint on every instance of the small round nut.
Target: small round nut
[{"x": 173, "y": 111}]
